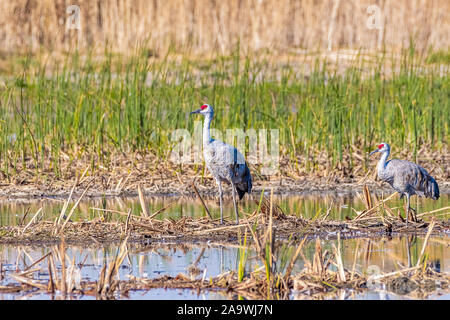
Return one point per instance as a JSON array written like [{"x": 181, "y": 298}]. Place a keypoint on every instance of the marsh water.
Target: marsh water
[
  {"x": 156, "y": 260},
  {"x": 308, "y": 206},
  {"x": 151, "y": 260}
]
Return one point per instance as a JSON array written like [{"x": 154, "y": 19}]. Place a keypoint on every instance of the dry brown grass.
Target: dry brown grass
[
  {"x": 202, "y": 229},
  {"x": 125, "y": 172},
  {"x": 216, "y": 25}
]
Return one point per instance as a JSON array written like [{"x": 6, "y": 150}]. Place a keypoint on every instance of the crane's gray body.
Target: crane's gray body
[
  {"x": 224, "y": 162},
  {"x": 227, "y": 164},
  {"x": 405, "y": 177},
  {"x": 409, "y": 178}
]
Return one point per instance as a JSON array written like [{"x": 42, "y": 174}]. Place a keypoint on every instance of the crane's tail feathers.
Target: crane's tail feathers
[
  {"x": 431, "y": 189},
  {"x": 247, "y": 185},
  {"x": 240, "y": 193}
]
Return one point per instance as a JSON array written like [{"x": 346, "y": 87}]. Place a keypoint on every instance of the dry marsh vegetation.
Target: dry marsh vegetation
[
  {"x": 376, "y": 220},
  {"x": 217, "y": 25}
]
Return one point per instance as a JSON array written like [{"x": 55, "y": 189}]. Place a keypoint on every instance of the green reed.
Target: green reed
[{"x": 96, "y": 107}]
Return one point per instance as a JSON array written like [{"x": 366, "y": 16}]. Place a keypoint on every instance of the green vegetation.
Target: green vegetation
[
  {"x": 100, "y": 107},
  {"x": 439, "y": 56}
]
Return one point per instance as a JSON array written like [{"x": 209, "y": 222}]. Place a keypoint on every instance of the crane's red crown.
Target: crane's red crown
[
  {"x": 380, "y": 146},
  {"x": 204, "y": 106}
]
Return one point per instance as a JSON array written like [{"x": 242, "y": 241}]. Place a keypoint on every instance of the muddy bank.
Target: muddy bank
[
  {"x": 140, "y": 229},
  {"x": 377, "y": 219},
  {"x": 111, "y": 233},
  {"x": 123, "y": 173}
]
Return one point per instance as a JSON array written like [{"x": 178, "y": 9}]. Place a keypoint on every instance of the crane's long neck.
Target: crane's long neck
[
  {"x": 206, "y": 131},
  {"x": 381, "y": 166}
]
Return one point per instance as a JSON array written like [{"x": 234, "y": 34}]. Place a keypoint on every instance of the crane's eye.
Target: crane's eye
[
  {"x": 380, "y": 146},
  {"x": 204, "y": 107}
]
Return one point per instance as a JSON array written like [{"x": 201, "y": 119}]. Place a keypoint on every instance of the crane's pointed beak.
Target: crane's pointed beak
[
  {"x": 374, "y": 151},
  {"x": 196, "y": 111}
]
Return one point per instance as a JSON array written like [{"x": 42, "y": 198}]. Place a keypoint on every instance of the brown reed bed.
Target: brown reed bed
[
  {"x": 376, "y": 220},
  {"x": 126, "y": 172},
  {"x": 205, "y": 26},
  {"x": 188, "y": 229}
]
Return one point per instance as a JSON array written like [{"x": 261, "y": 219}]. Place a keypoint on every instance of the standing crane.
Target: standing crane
[
  {"x": 407, "y": 178},
  {"x": 224, "y": 162}
]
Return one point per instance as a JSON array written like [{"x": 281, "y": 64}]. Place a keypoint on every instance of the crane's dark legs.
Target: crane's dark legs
[
  {"x": 234, "y": 202},
  {"x": 219, "y": 184}
]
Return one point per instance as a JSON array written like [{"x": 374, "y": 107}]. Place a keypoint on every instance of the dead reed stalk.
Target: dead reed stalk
[
  {"x": 201, "y": 199},
  {"x": 425, "y": 242},
  {"x": 142, "y": 201},
  {"x": 73, "y": 208}
]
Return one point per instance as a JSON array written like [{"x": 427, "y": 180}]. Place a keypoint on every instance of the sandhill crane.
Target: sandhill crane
[
  {"x": 224, "y": 162},
  {"x": 407, "y": 178}
]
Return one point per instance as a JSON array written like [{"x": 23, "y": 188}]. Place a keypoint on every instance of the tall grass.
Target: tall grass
[{"x": 98, "y": 107}]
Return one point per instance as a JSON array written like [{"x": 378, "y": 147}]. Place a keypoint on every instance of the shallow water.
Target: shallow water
[
  {"x": 13, "y": 212},
  {"x": 155, "y": 260}
]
